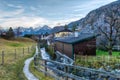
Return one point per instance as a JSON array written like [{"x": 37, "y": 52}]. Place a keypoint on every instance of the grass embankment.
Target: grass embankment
[
  {"x": 12, "y": 69},
  {"x": 18, "y": 42},
  {"x": 38, "y": 74},
  {"x": 102, "y": 59}
]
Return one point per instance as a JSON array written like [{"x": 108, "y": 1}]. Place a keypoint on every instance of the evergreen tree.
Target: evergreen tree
[
  {"x": 65, "y": 27},
  {"x": 10, "y": 34},
  {"x": 46, "y": 34},
  {"x": 74, "y": 28}
]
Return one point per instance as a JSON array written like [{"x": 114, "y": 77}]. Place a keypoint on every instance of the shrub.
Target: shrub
[
  {"x": 28, "y": 35},
  {"x": 50, "y": 50}
]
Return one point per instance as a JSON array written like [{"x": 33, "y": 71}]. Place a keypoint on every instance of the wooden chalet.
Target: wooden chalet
[{"x": 84, "y": 44}]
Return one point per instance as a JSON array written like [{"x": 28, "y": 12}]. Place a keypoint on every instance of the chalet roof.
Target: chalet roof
[
  {"x": 59, "y": 29},
  {"x": 72, "y": 40}
]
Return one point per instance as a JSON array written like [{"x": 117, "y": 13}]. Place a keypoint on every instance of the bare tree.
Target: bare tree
[{"x": 111, "y": 29}]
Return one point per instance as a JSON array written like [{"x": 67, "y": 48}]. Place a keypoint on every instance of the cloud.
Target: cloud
[
  {"x": 33, "y": 8},
  {"x": 27, "y": 21},
  {"x": 41, "y": 14},
  {"x": 90, "y": 5},
  {"x": 13, "y": 6},
  {"x": 11, "y": 13},
  {"x": 61, "y": 22},
  {"x": 8, "y": 4},
  {"x": 23, "y": 21}
]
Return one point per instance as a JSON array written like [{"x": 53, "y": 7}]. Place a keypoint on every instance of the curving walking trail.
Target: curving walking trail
[{"x": 26, "y": 70}]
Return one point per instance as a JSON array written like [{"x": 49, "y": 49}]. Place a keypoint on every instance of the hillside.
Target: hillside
[
  {"x": 97, "y": 17},
  {"x": 12, "y": 66},
  {"x": 17, "y": 43}
]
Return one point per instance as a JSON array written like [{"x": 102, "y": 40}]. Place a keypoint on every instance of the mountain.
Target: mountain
[
  {"x": 42, "y": 30},
  {"x": 98, "y": 17},
  {"x": 21, "y": 30},
  {"x": 45, "y": 27},
  {"x": 75, "y": 23},
  {"x": 90, "y": 23},
  {"x": 57, "y": 29},
  {"x": 38, "y": 30},
  {"x": 99, "y": 21}
]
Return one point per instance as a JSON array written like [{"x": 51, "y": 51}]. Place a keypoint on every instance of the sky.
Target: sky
[{"x": 34, "y": 13}]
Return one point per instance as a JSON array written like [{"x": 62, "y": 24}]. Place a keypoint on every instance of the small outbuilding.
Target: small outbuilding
[{"x": 83, "y": 44}]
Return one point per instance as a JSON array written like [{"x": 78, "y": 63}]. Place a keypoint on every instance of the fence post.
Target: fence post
[
  {"x": 15, "y": 53},
  {"x": 2, "y": 57},
  {"x": 66, "y": 70},
  {"x": 31, "y": 48},
  {"x": 45, "y": 62},
  {"x": 23, "y": 51},
  {"x": 81, "y": 58},
  {"x": 28, "y": 50},
  {"x": 86, "y": 58}
]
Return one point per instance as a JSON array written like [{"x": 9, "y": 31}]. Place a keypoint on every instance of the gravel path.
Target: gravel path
[{"x": 26, "y": 71}]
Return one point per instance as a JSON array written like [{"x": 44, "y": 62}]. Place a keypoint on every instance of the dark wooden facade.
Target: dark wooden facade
[{"x": 87, "y": 47}]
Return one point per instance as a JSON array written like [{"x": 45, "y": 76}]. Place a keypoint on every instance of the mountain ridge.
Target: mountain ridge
[{"x": 96, "y": 17}]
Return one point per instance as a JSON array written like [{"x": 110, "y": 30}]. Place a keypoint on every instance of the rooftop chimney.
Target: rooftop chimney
[{"x": 76, "y": 34}]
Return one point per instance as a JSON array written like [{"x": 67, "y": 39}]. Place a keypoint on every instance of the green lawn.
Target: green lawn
[{"x": 101, "y": 53}]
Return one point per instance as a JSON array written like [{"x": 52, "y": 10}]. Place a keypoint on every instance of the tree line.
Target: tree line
[{"x": 9, "y": 34}]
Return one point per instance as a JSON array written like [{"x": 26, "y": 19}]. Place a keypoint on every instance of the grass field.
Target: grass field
[
  {"x": 102, "y": 59},
  {"x": 105, "y": 53},
  {"x": 12, "y": 67}
]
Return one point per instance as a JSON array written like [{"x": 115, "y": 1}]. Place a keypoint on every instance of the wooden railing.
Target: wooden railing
[
  {"x": 116, "y": 47},
  {"x": 74, "y": 72}
]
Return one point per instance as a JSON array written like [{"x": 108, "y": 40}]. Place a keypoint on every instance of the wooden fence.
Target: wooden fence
[
  {"x": 8, "y": 56},
  {"x": 73, "y": 72},
  {"x": 100, "y": 60},
  {"x": 62, "y": 71},
  {"x": 116, "y": 47}
]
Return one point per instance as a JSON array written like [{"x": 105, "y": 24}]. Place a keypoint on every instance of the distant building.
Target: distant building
[
  {"x": 83, "y": 44},
  {"x": 58, "y": 32},
  {"x": 3, "y": 33}
]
